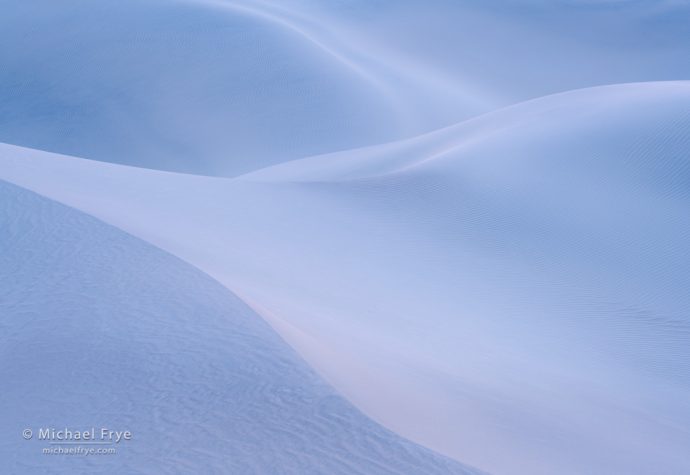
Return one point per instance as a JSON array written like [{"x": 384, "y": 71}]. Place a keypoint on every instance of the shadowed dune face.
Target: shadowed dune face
[
  {"x": 514, "y": 283},
  {"x": 186, "y": 86}
]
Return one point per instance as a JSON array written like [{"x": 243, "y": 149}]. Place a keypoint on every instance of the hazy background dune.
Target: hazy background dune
[{"x": 223, "y": 87}]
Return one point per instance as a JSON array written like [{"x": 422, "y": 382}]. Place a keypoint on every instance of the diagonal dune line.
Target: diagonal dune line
[{"x": 103, "y": 328}]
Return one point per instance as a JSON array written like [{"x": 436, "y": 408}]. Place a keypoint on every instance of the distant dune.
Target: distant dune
[{"x": 220, "y": 87}]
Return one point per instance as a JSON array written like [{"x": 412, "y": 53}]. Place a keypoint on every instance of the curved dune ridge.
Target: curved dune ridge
[
  {"x": 103, "y": 330},
  {"x": 510, "y": 291},
  {"x": 607, "y": 120}
]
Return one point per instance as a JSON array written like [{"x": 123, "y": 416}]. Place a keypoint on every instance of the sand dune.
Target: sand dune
[{"x": 509, "y": 291}]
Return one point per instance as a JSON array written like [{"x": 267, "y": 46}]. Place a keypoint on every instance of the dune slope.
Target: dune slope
[
  {"x": 103, "y": 330},
  {"x": 516, "y": 282}
]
